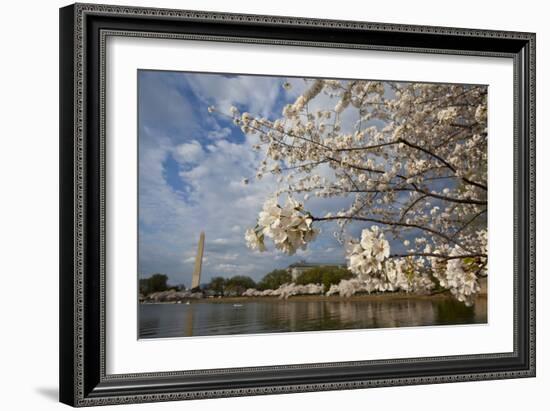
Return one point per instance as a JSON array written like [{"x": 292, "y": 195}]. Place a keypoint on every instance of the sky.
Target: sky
[{"x": 191, "y": 170}]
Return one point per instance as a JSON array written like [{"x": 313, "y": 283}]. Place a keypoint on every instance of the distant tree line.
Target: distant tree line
[
  {"x": 324, "y": 275},
  {"x": 237, "y": 285},
  {"x": 240, "y": 283},
  {"x": 157, "y": 282}
]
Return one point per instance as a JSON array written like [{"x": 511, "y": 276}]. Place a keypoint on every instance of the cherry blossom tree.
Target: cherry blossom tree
[{"x": 412, "y": 159}]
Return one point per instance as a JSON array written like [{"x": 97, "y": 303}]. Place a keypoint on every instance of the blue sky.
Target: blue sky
[{"x": 191, "y": 167}]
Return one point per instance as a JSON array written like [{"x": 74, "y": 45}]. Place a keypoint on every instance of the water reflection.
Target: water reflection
[{"x": 272, "y": 316}]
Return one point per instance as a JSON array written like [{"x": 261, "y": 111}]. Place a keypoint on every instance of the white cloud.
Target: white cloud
[
  {"x": 162, "y": 106},
  {"x": 189, "y": 152},
  {"x": 229, "y": 257},
  {"x": 217, "y": 202},
  {"x": 257, "y": 93},
  {"x": 220, "y": 241},
  {"x": 223, "y": 132}
]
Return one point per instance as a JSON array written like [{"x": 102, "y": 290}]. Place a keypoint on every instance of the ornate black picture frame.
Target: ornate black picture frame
[{"x": 83, "y": 30}]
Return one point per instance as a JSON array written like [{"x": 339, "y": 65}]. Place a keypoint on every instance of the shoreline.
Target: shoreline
[{"x": 306, "y": 298}]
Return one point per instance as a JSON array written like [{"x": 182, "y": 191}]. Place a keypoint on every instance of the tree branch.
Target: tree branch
[
  {"x": 393, "y": 223},
  {"x": 411, "y": 206},
  {"x": 468, "y": 222},
  {"x": 443, "y": 161},
  {"x": 441, "y": 256}
]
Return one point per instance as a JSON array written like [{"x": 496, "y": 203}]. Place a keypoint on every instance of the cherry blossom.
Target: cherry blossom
[
  {"x": 287, "y": 290},
  {"x": 412, "y": 159},
  {"x": 254, "y": 240},
  {"x": 289, "y": 226}
]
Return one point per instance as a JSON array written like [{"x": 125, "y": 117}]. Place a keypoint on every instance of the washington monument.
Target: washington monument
[{"x": 198, "y": 263}]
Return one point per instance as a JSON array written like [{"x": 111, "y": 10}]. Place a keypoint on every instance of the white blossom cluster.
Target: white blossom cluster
[
  {"x": 459, "y": 275},
  {"x": 366, "y": 256},
  {"x": 293, "y": 110},
  {"x": 397, "y": 281},
  {"x": 347, "y": 288},
  {"x": 369, "y": 260},
  {"x": 287, "y": 290},
  {"x": 290, "y": 227},
  {"x": 254, "y": 239}
]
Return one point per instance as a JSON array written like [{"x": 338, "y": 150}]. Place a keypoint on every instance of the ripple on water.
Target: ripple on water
[{"x": 202, "y": 319}]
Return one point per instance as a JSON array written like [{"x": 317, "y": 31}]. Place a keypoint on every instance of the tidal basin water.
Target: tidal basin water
[{"x": 276, "y": 316}]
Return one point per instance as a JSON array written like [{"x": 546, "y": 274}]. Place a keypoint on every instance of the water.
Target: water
[{"x": 274, "y": 316}]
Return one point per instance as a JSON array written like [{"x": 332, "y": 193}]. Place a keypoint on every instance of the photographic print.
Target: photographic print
[
  {"x": 284, "y": 185},
  {"x": 271, "y": 204}
]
